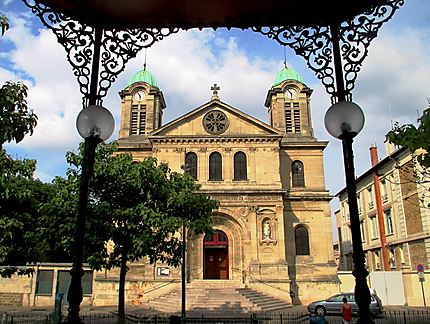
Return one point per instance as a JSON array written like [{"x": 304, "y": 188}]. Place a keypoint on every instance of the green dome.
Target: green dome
[
  {"x": 143, "y": 76},
  {"x": 287, "y": 74}
]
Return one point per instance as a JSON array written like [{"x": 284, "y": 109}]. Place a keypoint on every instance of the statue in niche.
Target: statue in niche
[{"x": 267, "y": 230}]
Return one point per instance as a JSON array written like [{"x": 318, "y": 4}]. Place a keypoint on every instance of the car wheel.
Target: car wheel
[{"x": 320, "y": 310}]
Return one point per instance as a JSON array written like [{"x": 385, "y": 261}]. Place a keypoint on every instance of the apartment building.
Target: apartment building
[{"x": 393, "y": 199}]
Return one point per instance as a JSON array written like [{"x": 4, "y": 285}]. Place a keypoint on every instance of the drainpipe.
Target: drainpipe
[{"x": 379, "y": 209}]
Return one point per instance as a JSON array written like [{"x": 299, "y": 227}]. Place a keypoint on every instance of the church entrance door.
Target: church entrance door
[{"x": 215, "y": 256}]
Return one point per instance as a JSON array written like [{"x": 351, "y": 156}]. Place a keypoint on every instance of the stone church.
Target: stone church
[{"x": 273, "y": 226}]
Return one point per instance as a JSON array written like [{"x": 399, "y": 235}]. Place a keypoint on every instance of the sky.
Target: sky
[{"x": 394, "y": 83}]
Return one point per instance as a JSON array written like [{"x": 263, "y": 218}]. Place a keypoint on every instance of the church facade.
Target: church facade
[{"x": 273, "y": 225}]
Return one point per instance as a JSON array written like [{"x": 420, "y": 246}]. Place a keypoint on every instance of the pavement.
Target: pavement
[{"x": 142, "y": 311}]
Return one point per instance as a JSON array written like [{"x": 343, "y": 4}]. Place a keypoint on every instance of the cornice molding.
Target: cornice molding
[{"x": 214, "y": 139}]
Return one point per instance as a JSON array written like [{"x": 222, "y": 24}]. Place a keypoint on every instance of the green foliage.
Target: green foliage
[
  {"x": 4, "y": 24},
  {"x": 20, "y": 198},
  {"x": 414, "y": 138},
  {"x": 146, "y": 204},
  {"x": 16, "y": 119}
]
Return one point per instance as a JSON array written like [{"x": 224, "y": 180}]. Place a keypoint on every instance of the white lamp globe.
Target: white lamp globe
[
  {"x": 344, "y": 119},
  {"x": 95, "y": 121}
]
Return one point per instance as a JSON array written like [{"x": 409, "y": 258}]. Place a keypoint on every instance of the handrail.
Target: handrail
[
  {"x": 164, "y": 284},
  {"x": 246, "y": 274}
]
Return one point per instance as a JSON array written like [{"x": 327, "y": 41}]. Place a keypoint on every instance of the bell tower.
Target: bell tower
[
  {"x": 142, "y": 105},
  {"x": 288, "y": 103}
]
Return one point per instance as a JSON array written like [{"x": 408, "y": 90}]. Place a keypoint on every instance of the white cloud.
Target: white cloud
[{"x": 186, "y": 64}]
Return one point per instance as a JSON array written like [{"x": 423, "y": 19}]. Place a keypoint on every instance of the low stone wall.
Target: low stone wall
[
  {"x": 10, "y": 299},
  {"x": 105, "y": 291},
  {"x": 15, "y": 291}
]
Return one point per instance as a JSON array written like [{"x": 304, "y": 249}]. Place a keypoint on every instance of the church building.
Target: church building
[{"x": 273, "y": 227}]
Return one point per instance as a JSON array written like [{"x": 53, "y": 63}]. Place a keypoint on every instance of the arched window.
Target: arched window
[
  {"x": 215, "y": 166},
  {"x": 191, "y": 164},
  {"x": 240, "y": 166},
  {"x": 297, "y": 174},
  {"x": 301, "y": 236}
]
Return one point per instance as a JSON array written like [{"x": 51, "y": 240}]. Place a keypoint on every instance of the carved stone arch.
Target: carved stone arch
[
  {"x": 240, "y": 222},
  {"x": 236, "y": 234}
]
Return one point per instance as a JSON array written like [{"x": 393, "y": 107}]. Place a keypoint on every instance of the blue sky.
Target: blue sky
[{"x": 394, "y": 83}]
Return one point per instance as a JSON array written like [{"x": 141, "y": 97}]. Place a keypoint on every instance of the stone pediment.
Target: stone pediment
[{"x": 216, "y": 119}]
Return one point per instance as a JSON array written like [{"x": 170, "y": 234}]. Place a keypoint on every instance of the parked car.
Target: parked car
[{"x": 333, "y": 304}]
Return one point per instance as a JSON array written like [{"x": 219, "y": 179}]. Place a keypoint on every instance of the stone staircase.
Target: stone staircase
[{"x": 216, "y": 297}]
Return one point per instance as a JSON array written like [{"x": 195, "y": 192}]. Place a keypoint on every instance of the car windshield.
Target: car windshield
[{"x": 336, "y": 298}]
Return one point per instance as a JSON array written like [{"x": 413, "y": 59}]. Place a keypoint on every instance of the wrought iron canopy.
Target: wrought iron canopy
[
  {"x": 186, "y": 14},
  {"x": 324, "y": 33}
]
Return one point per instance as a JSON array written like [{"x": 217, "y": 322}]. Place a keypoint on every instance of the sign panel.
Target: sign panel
[{"x": 421, "y": 276}]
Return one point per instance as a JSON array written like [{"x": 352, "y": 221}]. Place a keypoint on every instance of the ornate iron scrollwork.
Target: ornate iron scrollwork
[
  {"x": 78, "y": 40},
  {"x": 314, "y": 44}
]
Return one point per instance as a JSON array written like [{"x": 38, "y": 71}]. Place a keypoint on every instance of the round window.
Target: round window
[{"x": 215, "y": 122}]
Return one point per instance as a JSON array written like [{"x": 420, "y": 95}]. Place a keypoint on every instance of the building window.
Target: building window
[
  {"x": 375, "y": 231},
  {"x": 370, "y": 198},
  {"x": 297, "y": 174},
  {"x": 385, "y": 190},
  {"x": 401, "y": 255},
  {"x": 359, "y": 203},
  {"x": 44, "y": 282},
  {"x": 292, "y": 118},
  {"x": 288, "y": 121},
  {"x": 215, "y": 166},
  {"x": 219, "y": 238},
  {"x": 389, "y": 228},
  {"x": 377, "y": 260},
  {"x": 138, "y": 120},
  {"x": 191, "y": 164},
  {"x": 363, "y": 231},
  {"x": 302, "y": 240},
  {"x": 297, "y": 121},
  {"x": 240, "y": 166},
  {"x": 392, "y": 259},
  {"x": 64, "y": 278}
]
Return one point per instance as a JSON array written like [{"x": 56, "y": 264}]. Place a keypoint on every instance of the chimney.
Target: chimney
[{"x": 374, "y": 159}]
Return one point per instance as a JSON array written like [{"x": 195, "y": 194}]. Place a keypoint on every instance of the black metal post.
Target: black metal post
[
  {"x": 75, "y": 295},
  {"x": 75, "y": 292},
  {"x": 361, "y": 291},
  {"x": 183, "y": 311}
]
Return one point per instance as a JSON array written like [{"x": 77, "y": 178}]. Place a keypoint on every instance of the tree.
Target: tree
[
  {"x": 4, "y": 23},
  {"x": 16, "y": 119},
  {"x": 20, "y": 198},
  {"x": 417, "y": 139},
  {"x": 137, "y": 206},
  {"x": 146, "y": 204},
  {"x": 20, "y": 194}
]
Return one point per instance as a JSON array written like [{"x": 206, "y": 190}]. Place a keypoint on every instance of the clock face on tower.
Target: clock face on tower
[
  {"x": 139, "y": 95},
  {"x": 290, "y": 93},
  {"x": 215, "y": 122}
]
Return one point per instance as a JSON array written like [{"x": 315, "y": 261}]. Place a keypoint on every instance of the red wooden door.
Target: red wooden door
[{"x": 216, "y": 256}]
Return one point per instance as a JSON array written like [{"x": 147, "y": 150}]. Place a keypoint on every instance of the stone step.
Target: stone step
[
  {"x": 216, "y": 297},
  {"x": 265, "y": 302}
]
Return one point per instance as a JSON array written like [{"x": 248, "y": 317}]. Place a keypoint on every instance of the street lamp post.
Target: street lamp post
[
  {"x": 95, "y": 124},
  {"x": 183, "y": 272},
  {"x": 186, "y": 169},
  {"x": 344, "y": 121}
]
